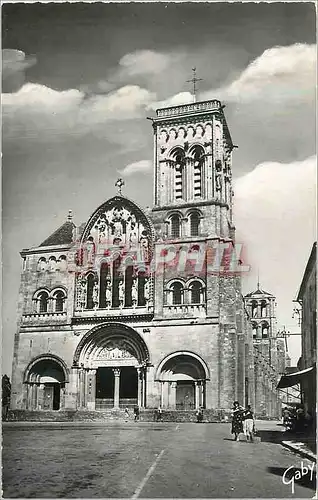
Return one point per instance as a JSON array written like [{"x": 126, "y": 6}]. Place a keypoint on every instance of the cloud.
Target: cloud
[
  {"x": 140, "y": 167},
  {"x": 14, "y": 64},
  {"x": 123, "y": 103},
  {"x": 176, "y": 100},
  {"x": 275, "y": 216},
  {"x": 280, "y": 73},
  {"x": 15, "y": 60},
  {"x": 39, "y": 110},
  {"x": 143, "y": 62}
]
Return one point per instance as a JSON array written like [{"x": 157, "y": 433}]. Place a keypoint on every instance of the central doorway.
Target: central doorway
[{"x": 105, "y": 387}]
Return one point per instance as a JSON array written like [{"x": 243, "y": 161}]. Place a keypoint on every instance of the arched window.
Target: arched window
[
  {"x": 263, "y": 309},
  {"x": 175, "y": 226},
  {"x": 254, "y": 307},
  {"x": 265, "y": 330},
  {"x": 254, "y": 330},
  {"x": 177, "y": 293},
  {"x": 104, "y": 270},
  {"x": 196, "y": 292},
  {"x": 197, "y": 154},
  {"x": 90, "y": 288},
  {"x": 178, "y": 157},
  {"x": 117, "y": 283},
  {"x": 43, "y": 302},
  {"x": 194, "y": 224},
  {"x": 52, "y": 264},
  {"x": 128, "y": 285},
  {"x": 59, "y": 300},
  {"x": 42, "y": 264}
]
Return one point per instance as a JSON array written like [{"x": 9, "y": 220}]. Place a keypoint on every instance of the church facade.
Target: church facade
[{"x": 143, "y": 307}]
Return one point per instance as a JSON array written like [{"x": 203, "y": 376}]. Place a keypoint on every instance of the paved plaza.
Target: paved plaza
[{"x": 144, "y": 460}]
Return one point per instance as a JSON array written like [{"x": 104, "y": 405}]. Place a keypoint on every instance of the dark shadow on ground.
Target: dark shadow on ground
[
  {"x": 273, "y": 436},
  {"x": 307, "y": 480}
]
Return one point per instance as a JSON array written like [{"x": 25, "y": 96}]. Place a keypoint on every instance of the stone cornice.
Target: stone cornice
[
  {"x": 47, "y": 249},
  {"x": 133, "y": 318},
  {"x": 191, "y": 204}
]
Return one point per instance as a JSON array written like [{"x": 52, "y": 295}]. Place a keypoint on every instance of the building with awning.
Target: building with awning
[
  {"x": 291, "y": 379},
  {"x": 307, "y": 298}
]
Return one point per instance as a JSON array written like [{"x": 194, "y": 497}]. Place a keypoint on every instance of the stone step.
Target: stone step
[{"x": 146, "y": 415}]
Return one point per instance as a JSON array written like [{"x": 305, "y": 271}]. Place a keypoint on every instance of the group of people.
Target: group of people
[
  {"x": 136, "y": 413},
  {"x": 296, "y": 420},
  {"x": 242, "y": 421}
]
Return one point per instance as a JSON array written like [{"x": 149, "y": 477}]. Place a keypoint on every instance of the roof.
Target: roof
[
  {"x": 62, "y": 236},
  {"x": 259, "y": 291},
  {"x": 310, "y": 265}
]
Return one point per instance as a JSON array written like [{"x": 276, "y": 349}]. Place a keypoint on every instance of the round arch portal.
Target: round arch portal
[
  {"x": 112, "y": 361},
  {"x": 183, "y": 378},
  {"x": 45, "y": 379}
]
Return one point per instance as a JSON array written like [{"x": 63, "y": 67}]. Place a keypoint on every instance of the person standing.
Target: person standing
[
  {"x": 237, "y": 420},
  {"x": 126, "y": 414},
  {"x": 248, "y": 423},
  {"x": 136, "y": 413},
  {"x": 159, "y": 414},
  {"x": 199, "y": 415}
]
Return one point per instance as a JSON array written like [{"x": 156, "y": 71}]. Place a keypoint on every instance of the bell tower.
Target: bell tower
[{"x": 193, "y": 164}]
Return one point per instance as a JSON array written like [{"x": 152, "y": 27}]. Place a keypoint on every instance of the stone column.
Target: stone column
[
  {"x": 30, "y": 389},
  {"x": 40, "y": 395},
  {"x": 81, "y": 387},
  {"x": 116, "y": 372},
  {"x": 140, "y": 387},
  {"x": 197, "y": 394},
  {"x": 164, "y": 394},
  {"x": 173, "y": 395},
  {"x": 144, "y": 385},
  {"x": 91, "y": 388}
]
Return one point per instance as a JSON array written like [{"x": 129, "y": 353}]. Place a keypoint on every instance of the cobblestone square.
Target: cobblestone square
[{"x": 146, "y": 460}]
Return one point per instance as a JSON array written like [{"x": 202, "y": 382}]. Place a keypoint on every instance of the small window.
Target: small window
[
  {"x": 42, "y": 264},
  {"x": 52, "y": 264},
  {"x": 195, "y": 292},
  {"x": 43, "y": 299},
  {"x": 175, "y": 226},
  {"x": 59, "y": 299},
  {"x": 177, "y": 293},
  {"x": 194, "y": 224},
  {"x": 263, "y": 309},
  {"x": 254, "y": 309}
]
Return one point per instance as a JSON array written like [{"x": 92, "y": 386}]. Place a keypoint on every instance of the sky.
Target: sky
[{"x": 80, "y": 80}]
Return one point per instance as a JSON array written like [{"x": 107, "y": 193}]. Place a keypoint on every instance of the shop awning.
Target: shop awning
[{"x": 294, "y": 378}]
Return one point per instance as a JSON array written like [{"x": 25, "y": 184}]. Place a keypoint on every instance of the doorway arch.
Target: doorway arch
[
  {"x": 45, "y": 379},
  {"x": 112, "y": 362},
  {"x": 183, "y": 377}
]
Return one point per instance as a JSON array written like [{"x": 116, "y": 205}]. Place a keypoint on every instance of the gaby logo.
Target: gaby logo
[{"x": 293, "y": 474}]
